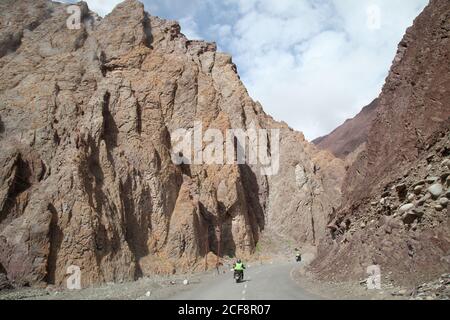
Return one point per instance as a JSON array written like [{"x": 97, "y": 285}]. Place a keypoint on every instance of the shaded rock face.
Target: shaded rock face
[
  {"x": 347, "y": 139},
  {"x": 394, "y": 210},
  {"x": 86, "y": 176}
]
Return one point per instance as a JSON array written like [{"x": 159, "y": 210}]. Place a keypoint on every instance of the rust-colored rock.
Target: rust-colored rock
[
  {"x": 407, "y": 146},
  {"x": 347, "y": 138},
  {"x": 86, "y": 176}
]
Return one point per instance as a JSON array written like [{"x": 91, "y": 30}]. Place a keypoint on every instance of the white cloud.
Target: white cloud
[
  {"x": 189, "y": 28},
  {"x": 101, "y": 7},
  {"x": 223, "y": 31},
  {"x": 315, "y": 64}
]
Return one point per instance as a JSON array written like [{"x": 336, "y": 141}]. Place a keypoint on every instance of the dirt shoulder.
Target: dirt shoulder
[{"x": 354, "y": 290}]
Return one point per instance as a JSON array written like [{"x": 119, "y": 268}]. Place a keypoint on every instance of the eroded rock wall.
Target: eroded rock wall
[{"x": 86, "y": 176}]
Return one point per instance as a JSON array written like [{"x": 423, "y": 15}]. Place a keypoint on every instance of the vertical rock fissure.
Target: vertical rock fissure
[{"x": 55, "y": 239}]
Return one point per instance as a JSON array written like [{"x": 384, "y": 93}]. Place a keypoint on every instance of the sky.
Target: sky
[{"x": 311, "y": 63}]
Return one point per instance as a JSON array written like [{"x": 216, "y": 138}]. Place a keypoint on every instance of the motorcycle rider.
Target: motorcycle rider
[
  {"x": 298, "y": 255},
  {"x": 239, "y": 267}
]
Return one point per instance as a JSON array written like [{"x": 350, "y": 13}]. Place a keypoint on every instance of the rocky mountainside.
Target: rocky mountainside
[
  {"x": 348, "y": 138},
  {"x": 395, "y": 195},
  {"x": 86, "y": 176}
]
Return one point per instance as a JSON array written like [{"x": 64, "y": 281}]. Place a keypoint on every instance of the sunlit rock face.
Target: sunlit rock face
[{"x": 86, "y": 171}]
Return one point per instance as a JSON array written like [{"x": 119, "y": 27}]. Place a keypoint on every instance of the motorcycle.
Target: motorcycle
[{"x": 238, "y": 276}]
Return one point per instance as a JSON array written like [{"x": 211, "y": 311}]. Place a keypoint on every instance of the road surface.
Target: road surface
[{"x": 261, "y": 282}]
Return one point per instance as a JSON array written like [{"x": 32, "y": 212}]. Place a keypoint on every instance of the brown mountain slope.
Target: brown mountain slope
[
  {"x": 86, "y": 176},
  {"x": 349, "y": 136},
  {"x": 395, "y": 207}
]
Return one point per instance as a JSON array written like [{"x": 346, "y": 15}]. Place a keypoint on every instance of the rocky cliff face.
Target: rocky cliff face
[
  {"x": 394, "y": 210},
  {"x": 349, "y": 138},
  {"x": 86, "y": 176}
]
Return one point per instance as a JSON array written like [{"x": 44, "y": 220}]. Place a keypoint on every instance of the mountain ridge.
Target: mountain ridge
[{"x": 347, "y": 137}]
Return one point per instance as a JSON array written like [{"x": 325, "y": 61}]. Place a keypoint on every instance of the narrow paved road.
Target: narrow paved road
[{"x": 266, "y": 282}]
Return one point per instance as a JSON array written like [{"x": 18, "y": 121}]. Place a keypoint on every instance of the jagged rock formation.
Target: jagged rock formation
[
  {"x": 395, "y": 205},
  {"x": 347, "y": 139},
  {"x": 86, "y": 176}
]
